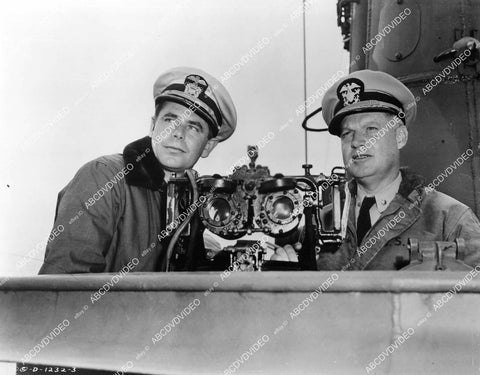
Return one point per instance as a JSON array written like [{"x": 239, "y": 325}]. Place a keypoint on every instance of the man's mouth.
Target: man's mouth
[
  {"x": 360, "y": 157},
  {"x": 174, "y": 149}
]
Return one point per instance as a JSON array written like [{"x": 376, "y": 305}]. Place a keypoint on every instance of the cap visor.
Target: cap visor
[
  {"x": 364, "y": 106},
  {"x": 194, "y": 106}
]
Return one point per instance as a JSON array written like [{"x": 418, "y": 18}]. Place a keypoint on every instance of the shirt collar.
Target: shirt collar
[{"x": 383, "y": 197}]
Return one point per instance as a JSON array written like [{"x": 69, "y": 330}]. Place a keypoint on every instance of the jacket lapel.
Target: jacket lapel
[
  {"x": 147, "y": 171},
  {"x": 406, "y": 211},
  {"x": 395, "y": 220}
]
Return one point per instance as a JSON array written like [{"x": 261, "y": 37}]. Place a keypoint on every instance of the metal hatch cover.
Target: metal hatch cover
[{"x": 398, "y": 31}]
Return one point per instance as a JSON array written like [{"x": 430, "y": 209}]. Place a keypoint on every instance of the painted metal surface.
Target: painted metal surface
[{"x": 340, "y": 331}]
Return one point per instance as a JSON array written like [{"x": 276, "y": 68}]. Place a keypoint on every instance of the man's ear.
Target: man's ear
[
  {"x": 401, "y": 134},
  {"x": 152, "y": 126},
  {"x": 211, "y": 143}
]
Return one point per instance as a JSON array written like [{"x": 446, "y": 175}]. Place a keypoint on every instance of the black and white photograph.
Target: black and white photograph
[{"x": 240, "y": 187}]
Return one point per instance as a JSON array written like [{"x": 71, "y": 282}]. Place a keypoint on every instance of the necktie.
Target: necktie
[{"x": 363, "y": 221}]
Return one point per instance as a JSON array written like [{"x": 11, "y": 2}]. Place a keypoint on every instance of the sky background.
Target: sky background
[{"x": 76, "y": 83}]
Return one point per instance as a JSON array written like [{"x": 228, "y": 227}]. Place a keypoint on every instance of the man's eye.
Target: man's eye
[
  {"x": 168, "y": 119},
  {"x": 194, "y": 128},
  {"x": 372, "y": 129},
  {"x": 344, "y": 135}
]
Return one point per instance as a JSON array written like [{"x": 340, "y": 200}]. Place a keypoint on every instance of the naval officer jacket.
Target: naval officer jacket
[
  {"x": 413, "y": 213},
  {"x": 111, "y": 214}
]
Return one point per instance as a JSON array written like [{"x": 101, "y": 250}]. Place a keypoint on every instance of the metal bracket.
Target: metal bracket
[
  {"x": 468, "y": 70},
  {"x": 437, "y": 255}
]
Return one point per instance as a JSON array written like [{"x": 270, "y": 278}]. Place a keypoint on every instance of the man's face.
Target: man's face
[
  {"x": 179, "y": 137},
  {"x": 370, "y": 148}
]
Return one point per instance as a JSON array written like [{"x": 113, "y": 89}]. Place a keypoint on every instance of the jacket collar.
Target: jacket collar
[
  {"x": 147, "y": 172},
  {"x": 412, "y": 184}
]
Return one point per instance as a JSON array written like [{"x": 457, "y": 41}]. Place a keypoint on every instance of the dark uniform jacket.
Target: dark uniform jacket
[
  {"x": 413, "y": 213},
  {"x": 112, "y": 213}
]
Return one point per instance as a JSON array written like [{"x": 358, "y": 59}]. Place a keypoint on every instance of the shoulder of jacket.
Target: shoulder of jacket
[
  {"x": 113, "y": 163},
  {"x": 444, "y": 202}
]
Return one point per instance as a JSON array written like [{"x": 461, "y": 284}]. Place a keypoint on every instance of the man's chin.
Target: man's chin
[
  {"x": 359, "y": 173},
  {"x": 174, "y": 168},
  {"x": 172, "y": 165}
]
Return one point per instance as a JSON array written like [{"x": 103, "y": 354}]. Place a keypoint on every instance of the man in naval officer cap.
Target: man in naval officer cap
[
  {"x": 386, "y": 205},
  {"x": 110, "y": 216}
]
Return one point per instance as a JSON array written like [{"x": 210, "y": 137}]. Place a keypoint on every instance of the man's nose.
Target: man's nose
[
  {"x": 179, "y": 131},
  {"x": 358, "y": 139}
]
